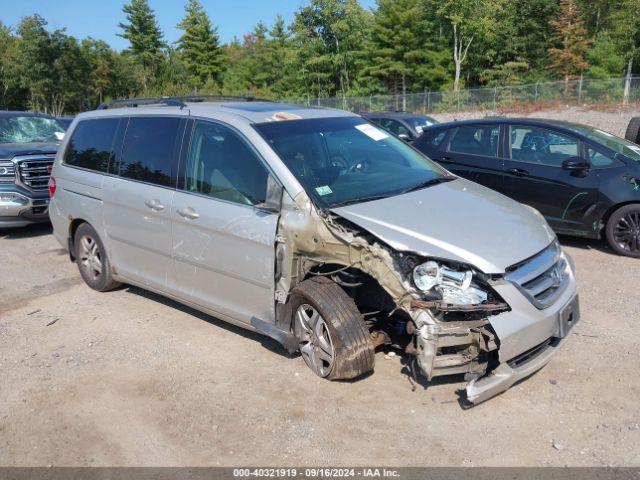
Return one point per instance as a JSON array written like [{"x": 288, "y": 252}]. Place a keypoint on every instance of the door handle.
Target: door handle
[
  {"x": 188, "y": 213},
  {"x": 444, "y": 160},
  {"x": 518, "y": 172},
  {"x": 154, "y": 205}
]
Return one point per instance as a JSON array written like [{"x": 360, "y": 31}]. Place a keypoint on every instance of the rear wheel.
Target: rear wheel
[
  {"x": 332, "y": 336},
  {"x": 623, "y": 230},
  {"x": 92, "y": 259}
]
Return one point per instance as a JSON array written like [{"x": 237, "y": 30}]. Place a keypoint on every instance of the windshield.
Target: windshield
[
  {"x": 347, "y": 160},
  {"x": 420, "y": 123},
  {"x": 618, "y": 144},
  {"x": 30, "y": 129}
]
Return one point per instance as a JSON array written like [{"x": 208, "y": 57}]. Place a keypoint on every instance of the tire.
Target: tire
[
  {"x": 338, "y": 329},
  {"x": 623, "y": 230},
  {"x": 92, "y": 259},
  {"x": 633, "y": 130}
]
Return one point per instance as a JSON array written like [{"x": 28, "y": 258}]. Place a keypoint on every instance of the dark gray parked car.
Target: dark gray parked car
[
  {"x": 407, "y": 126},
  {"x": 586, "y": 182},
  {"x": 28, "y": 144}
]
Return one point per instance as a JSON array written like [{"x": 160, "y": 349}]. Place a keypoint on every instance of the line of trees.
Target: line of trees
[{"x": 331, "y": 47}]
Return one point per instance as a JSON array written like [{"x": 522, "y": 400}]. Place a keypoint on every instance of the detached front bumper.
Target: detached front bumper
[
  {"x": 19, "y": 210},
  {"x": 505, "y": 376},
  {"x": 508, "y": 372}
]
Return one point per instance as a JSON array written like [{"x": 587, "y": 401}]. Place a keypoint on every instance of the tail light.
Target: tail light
[{"x": 52, "y": 186}]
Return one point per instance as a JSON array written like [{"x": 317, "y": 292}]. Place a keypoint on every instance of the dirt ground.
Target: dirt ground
[{"x": 129, "y": 378}]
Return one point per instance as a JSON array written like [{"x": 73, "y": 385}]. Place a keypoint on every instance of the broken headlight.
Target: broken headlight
[{"x": 455, "y": 287}]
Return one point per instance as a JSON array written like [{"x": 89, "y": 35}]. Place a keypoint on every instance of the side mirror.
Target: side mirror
[
  {"x": 575, "y": 164},
  {"x": 273, "y": 201},
  {"x": 404, "y": 136}
]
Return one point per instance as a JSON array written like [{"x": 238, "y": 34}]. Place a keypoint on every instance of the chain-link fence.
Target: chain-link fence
[{"x": 517, "y": 97}]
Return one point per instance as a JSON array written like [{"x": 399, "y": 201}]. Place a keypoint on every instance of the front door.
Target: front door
[
  {"x": 137, "y": 203},
  {"x": 534, "y": 175},
  {"x": 223, "y": 245}
]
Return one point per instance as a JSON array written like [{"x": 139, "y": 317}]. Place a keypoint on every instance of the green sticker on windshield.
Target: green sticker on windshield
[{"x": 324, "y": 190}]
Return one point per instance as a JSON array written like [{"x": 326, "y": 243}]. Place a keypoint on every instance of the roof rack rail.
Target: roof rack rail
[{"x": 177, "y": 101}]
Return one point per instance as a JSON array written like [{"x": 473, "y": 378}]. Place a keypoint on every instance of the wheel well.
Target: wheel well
[
  {"x": 365, "y": 290},
  {"x": 73, "y": 227},
  {"x": 609, "y": 212},
  {"x": 386, "y": 324}
]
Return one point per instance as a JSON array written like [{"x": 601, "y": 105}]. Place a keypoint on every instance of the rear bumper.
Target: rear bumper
[{"x": 19, "y": 210}]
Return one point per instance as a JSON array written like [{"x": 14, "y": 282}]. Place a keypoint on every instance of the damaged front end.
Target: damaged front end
[{"x": 436, "y": 310}]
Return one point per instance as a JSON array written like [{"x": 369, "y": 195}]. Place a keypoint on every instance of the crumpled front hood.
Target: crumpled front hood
[{"x": 457, "y": 220}]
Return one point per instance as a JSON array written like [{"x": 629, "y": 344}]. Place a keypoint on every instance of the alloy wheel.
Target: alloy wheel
[
  {"x": 627, "y": 232},
  {"x": 315, "y": 342},
  {"x": 90, "y": 258}
]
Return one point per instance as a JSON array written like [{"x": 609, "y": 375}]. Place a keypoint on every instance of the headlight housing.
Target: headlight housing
[{"x": 454, "y": 286}]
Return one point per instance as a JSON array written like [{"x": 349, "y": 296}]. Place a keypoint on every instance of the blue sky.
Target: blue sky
[{"x": 99, "y": 18}]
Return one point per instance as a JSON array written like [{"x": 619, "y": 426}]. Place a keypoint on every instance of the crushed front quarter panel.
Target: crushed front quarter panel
[{"x": 308, "y": 238}]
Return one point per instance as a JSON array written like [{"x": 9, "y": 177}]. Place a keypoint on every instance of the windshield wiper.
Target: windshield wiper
[
  {"x": 426, "y": 183},
  {"x": 360, "y": 200},
  {"x": 429, "y": 183}
]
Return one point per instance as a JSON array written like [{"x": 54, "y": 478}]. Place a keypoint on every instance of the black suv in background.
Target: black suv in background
[
  {"x": 407, "y": 126},
  {"x": 28, "y": 144},
  {"x": 586, "y": 182}
]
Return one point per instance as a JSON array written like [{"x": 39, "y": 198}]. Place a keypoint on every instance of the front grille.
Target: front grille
[
  {"x": 34, "y": 172},
  {"x": 543, "y": 277}
]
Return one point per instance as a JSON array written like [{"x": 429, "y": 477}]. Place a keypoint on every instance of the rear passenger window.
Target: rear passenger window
[
  {"x": 476, "y": 140},
  {"x": 91, "y": 144},
  {"x": 151, "y": 149},
  {"x": 221, "y": 165}
]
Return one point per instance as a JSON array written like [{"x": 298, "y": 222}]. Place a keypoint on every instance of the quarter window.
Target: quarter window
[
  {"x": 91, "y": 144},
  {"x": 476, "y": 140},
  {"x": 538, "y": 145},
  {"x": 151, "y": 149},
  {"x": 221, "y": 165}
]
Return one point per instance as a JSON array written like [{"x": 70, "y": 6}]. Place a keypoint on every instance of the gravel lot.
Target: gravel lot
[
  {"x": 611, "y": 120},
  {"x": 130, "y": 378}
]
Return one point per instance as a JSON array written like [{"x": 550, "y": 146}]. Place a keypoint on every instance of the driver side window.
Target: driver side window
[
  {"x": 539, "y": 145},
  {"x": 221, "y": 165}
]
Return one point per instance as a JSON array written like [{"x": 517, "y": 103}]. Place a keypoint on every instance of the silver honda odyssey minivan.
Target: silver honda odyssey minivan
[{"x": 318, "y": 229}]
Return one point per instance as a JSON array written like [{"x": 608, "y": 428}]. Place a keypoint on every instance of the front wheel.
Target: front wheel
[
  {"x": 623, "y": 231},
  {"x": 332, "y": 336}
]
